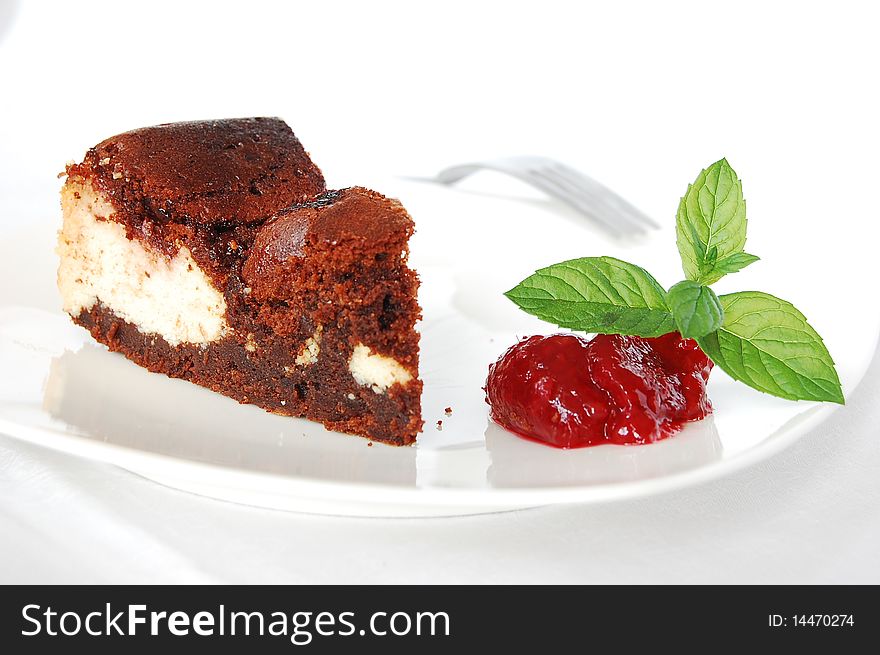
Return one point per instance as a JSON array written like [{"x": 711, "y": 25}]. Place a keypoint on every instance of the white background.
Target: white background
[{"x": 638, "y": 94}]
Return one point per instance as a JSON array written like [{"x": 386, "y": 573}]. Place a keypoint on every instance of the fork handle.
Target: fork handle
[{"x": 453, "y": 174}]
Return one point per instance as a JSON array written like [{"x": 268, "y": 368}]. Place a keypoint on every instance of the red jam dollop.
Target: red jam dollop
[{"x": 571, "y": 392}]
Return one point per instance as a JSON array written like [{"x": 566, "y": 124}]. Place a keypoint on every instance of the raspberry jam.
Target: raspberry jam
[{"x": 571, "y": 392}]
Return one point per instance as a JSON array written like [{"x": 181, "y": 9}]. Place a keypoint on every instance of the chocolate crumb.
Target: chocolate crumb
[
  {"x": 439, "y": 425},
  {"x": 448, "y": 411}
]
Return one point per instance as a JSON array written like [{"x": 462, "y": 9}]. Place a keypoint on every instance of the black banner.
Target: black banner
[{"x": 430, "y": 619}]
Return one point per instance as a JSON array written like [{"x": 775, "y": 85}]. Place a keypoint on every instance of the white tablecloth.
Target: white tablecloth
[{"x": 632, "y": 92}]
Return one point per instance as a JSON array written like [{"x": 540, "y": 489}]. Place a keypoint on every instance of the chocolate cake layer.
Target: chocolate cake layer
[{"x": 296, "y": 299}]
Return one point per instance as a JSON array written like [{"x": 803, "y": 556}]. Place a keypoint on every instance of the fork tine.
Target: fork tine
[
  {"x": 606, "y": 199},
  {"x": 552, "y": 185},
  {"x": 609, "y": 215},
  {"x": 622, "y": 219},
  {"x": 600, "y": 193},
  {"x": 606, "y": 196}
]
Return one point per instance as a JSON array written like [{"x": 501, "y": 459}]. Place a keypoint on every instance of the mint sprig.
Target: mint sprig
[{"x": 754, "y": 337}]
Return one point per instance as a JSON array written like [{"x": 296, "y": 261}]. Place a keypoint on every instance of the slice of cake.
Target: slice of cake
[{"x": 212, "y": 251}]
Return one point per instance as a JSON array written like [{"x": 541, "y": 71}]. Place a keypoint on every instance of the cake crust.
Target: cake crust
[{"x": 230, "y": 171}]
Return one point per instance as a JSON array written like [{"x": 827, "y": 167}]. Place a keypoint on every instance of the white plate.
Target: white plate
[{"x": 60, "y": 389}]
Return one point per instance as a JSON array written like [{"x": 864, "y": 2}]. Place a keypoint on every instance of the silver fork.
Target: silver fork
[{"x": 584, "y": 194}]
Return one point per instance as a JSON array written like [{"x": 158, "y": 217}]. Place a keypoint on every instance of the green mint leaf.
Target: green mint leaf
[
  {"x": 712, "y": 256},
  {"x": 766, "y": 343},
  {"x": 711, "y": 222},
  {"x": 695, "y": 240},
  {"x": 695, "y": 308},
  {"x": 596, "y": 294},
  {"x": 735, "y": 262}
]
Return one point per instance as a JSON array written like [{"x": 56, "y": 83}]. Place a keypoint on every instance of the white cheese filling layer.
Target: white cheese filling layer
[
  {"x": 172, "y": 298},
  {"x": 376, "y": 371}
]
